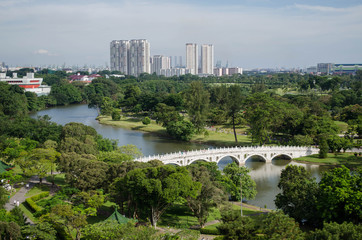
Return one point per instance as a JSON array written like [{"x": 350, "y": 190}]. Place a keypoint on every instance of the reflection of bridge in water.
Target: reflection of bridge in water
[{"x": 238, "y": 154}]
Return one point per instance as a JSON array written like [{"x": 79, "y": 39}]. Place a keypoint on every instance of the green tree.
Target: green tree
[
  {"x": 239, "y": 176},
  {"x": 235, "y": 227},
  {"x": 70, "y": 218},
  {"x": 340, "y": 195},
  {"x": 323, "y": 147},
  {"x": 181, "y": 130},
  {"x": 9, "y": 231},
  {"x": 39, "y": 162},
  {"x": 153, "y": 190},
  {"x": 197, "y": 103},
  {"x": 277, "y": 226},
  {"x": 335, "y": 231},
  {"x": 3, "y": 197},
  {"x": 299, "y": 194},
  {"x": 39, "y": 231},
  {"x": 233, "y": 105},
  {"x": 210, "y": 195}
]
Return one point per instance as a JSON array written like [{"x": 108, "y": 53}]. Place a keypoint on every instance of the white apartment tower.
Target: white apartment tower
[
  {"x": 192, "y": 58},
  {"x": 207, "y": 59},
  {"x": 158, "y": 63},
  {"x": 130, "y": 57},
  {"x": 119, "y": 56}
]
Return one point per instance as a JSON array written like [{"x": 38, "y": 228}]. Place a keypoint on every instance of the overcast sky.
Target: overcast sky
[{"x": 246, "y": 33}]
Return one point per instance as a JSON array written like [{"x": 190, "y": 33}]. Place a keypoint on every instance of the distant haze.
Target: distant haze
[{"x": 246, "y": 33}]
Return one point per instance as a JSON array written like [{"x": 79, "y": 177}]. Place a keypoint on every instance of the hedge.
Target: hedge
[
  {"x": 209, "y": 231},
  {"x": 31, "y": 201}
]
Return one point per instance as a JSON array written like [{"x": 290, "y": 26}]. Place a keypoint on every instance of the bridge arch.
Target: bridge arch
[
  {"x": 197, "y": 160},
  {"x": 282, "y": 155},
  {"x": 174, "y": 164},
  {"x": 234, "y": 158},
  {"x": 248, "y": 156}
]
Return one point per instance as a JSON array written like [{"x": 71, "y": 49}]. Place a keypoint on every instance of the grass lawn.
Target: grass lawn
[
  {"x": 180, "y": 216},
  {"x": 220, "y": 135},
  {"x": 333, "y": 159},
  {"x": 37, "y": 189}
]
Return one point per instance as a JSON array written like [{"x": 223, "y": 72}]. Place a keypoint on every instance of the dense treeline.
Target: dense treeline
[{"x": 282, "y": 109}]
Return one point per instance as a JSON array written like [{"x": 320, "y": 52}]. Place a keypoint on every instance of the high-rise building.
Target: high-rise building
[
  {"x": 130, "y": 57},
  {"x": 119, "y": 56},
  {"x": 159, "y": 62},
  {"x": 192, "y": 58},
  {"x": 207, "y": 59}
]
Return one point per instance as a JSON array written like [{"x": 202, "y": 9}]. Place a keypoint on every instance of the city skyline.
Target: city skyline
[{"x": 248, "y": 34}]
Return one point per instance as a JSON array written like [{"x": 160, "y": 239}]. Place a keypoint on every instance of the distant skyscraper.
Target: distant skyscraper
[
  {"x": 207, "y": 59},
  {"x": 130, "y": 57},
  {"x": 192, "y": 58},
  {"x": 119, "y": 56}
]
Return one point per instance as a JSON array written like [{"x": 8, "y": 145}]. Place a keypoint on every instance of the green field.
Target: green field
[{"x": 333, "y": 159}]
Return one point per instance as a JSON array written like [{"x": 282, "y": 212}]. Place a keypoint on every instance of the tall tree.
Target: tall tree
[
  {"x": 197, "y": 102},
  {"x": 299, "y": 194},
  {"x": 210, "y": 195},
  {"x": 233, "y": 105},
  {"x": 153, "y": 190},
  {"x": 340, "y": 195},
  {"x": 240, "y": 179}
]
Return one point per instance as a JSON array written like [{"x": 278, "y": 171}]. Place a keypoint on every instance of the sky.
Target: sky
[{"x": 245, "y": 33}]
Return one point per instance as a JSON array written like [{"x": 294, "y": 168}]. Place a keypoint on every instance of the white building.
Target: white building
[
  {"x": 235, "y": 70},
  {"x": 207, "y": 59},
  {"x": 158, "y": 63},
  {"x": 29, "y": 83},
  {"x": 119, "y": 55},
  {"x": 192, "y": 58},
  {"x": 130, "y": 57}
]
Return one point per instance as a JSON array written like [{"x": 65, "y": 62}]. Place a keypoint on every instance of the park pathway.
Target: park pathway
[{"x": 20, "y": 195}]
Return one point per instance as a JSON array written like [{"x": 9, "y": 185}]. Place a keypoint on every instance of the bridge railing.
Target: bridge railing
[{"x": 208, "y": 151}]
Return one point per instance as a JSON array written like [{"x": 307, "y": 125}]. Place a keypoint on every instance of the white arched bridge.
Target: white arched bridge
[{"x": 238, "y": 154}]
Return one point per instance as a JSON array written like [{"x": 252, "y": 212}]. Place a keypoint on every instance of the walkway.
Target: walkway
[{"x": 20, "y": 194}]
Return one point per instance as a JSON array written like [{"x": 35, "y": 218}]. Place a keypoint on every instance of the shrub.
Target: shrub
[
  {"x": 209, "y": 231},
  {"x": 146, "y": 120},
  {"x": 116, "y": 116}
]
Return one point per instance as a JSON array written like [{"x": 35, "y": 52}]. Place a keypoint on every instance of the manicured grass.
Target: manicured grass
[
  {"x": 178, "y": 216},
  {"x": 134, "y": 123},
  {"x": 36, "y": 190},
  {"x": 343, "y": 127},
  {"x": 334, "y": 159}
]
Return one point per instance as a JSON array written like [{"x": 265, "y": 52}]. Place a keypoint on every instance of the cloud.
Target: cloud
[
  {"x": 44, "y": 52},
  {"x": 245, "y": 36}
]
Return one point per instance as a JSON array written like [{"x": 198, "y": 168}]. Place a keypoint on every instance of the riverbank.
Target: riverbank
[
  {"x": 213, "y": 136},
  {"x": 348, "y": 159}
]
